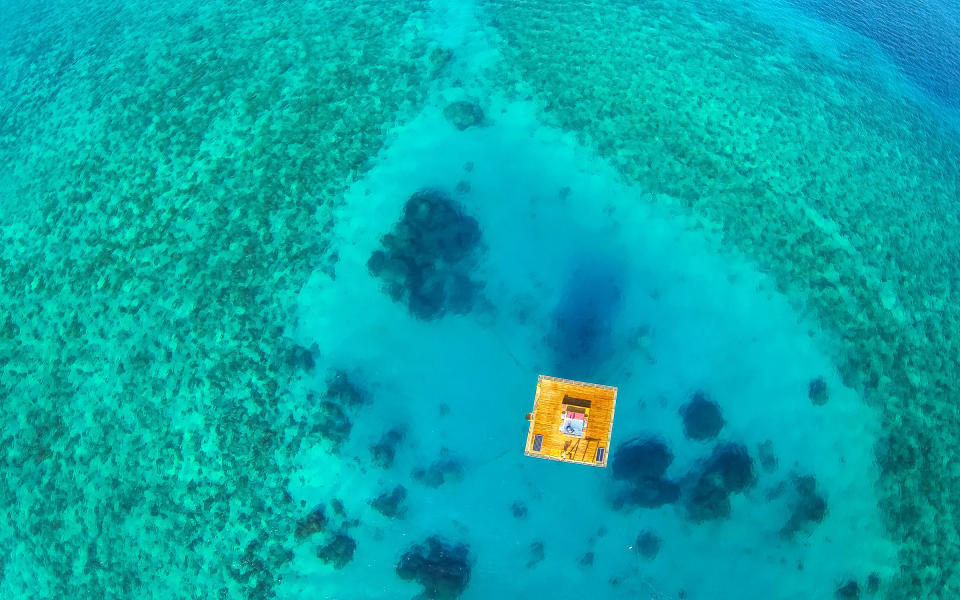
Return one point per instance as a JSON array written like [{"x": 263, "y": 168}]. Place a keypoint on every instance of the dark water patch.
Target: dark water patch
[
  {"x": 442, "y": 569},
  {"x": 391, "y": 504},
  {"x": 519, "y": 510},
  {"x": 702, "y": 418},
  {"x": 582, "y": 319},
  {"x": 587, "y": 559},
  {"x": 338, "y": 551},
  {"x": 426, "y": 260},
  {"x": 920, "y": 37}
]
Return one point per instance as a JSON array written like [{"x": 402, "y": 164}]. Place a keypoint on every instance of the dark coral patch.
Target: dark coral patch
[
  {"x": 642, "y": 464},
  {"x": 440, "y": 471},
  {"x": 391, "y": 504},
  {"x": 442, "y": 569},
  {"x": 641, "y": 458},
  {"x": 806, "y": 508},
  {"x": 848, "y": 591},
  {"x": 702, "y": 418},
  {"x": 729, "y": 470},
  {"x": 385, "y": 450},
  {"x": 648, "y": 545},
  {"x": 426, "y": 260},
  {"x": 731, "y": 467},
  {"x": 315, "y": 521},
  {"x": 817, "y": 391},
  {"x": 519, "y": 510},
  {"x": 536, "y": 554},
  {"x": 303, "y": 358},
  {"x": 338, "y": 552},
  {"x": 343, "y": 390},
  {"x": 464, "y": 114},
  {"x": 707, "y": 501},
  {"x": 333, "y": 424}
]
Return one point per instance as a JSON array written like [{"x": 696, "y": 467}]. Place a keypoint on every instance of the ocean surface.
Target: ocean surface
[{"x": 278, "y": 279}]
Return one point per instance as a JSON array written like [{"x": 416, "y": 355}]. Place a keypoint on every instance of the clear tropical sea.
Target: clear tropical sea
[{"x": 277, "y": 280}]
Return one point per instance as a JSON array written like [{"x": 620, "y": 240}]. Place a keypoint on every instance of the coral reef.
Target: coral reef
[
  {"x": 314, "y": 522},
  {"x": 426, "y": 260},
  {"x": 647, "y": 544},
  {"x": 391, "y": 504},
  {"x": 442, "y": 569},
  {"x": 642, "y": 463},
  {"x": 728, "y": 470},
  {"x": 536, "y": 554},
  {"x": 338, "y": 551},
  {"x": 385, "y": 450},
  {"x": 807, "y": 507},
  {"x": 848, "y": 591},
  {"x": 818, "y": 391},
  {"x": 464, "y": 114},
  {"x": 342, "y": 389},
  {"x": 440, "y": 471},
  {"x": 158, "y": 240},
  {"x": 702, "y": 418}
]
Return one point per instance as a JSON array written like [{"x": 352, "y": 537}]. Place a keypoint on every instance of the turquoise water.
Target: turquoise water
[{"x": 277, "y": 281}]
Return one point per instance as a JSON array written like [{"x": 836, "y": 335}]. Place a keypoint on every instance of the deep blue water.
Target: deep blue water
[{"x": 922, "y": 37}]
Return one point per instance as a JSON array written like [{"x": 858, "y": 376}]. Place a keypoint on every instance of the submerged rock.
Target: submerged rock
[{"x": 442, "y": 569}]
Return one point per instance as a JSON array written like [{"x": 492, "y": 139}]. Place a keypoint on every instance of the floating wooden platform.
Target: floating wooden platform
[{"x": 572, "y": 421}]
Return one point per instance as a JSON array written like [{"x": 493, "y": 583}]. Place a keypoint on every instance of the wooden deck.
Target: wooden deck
[{"x": 546, "y": 418}]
